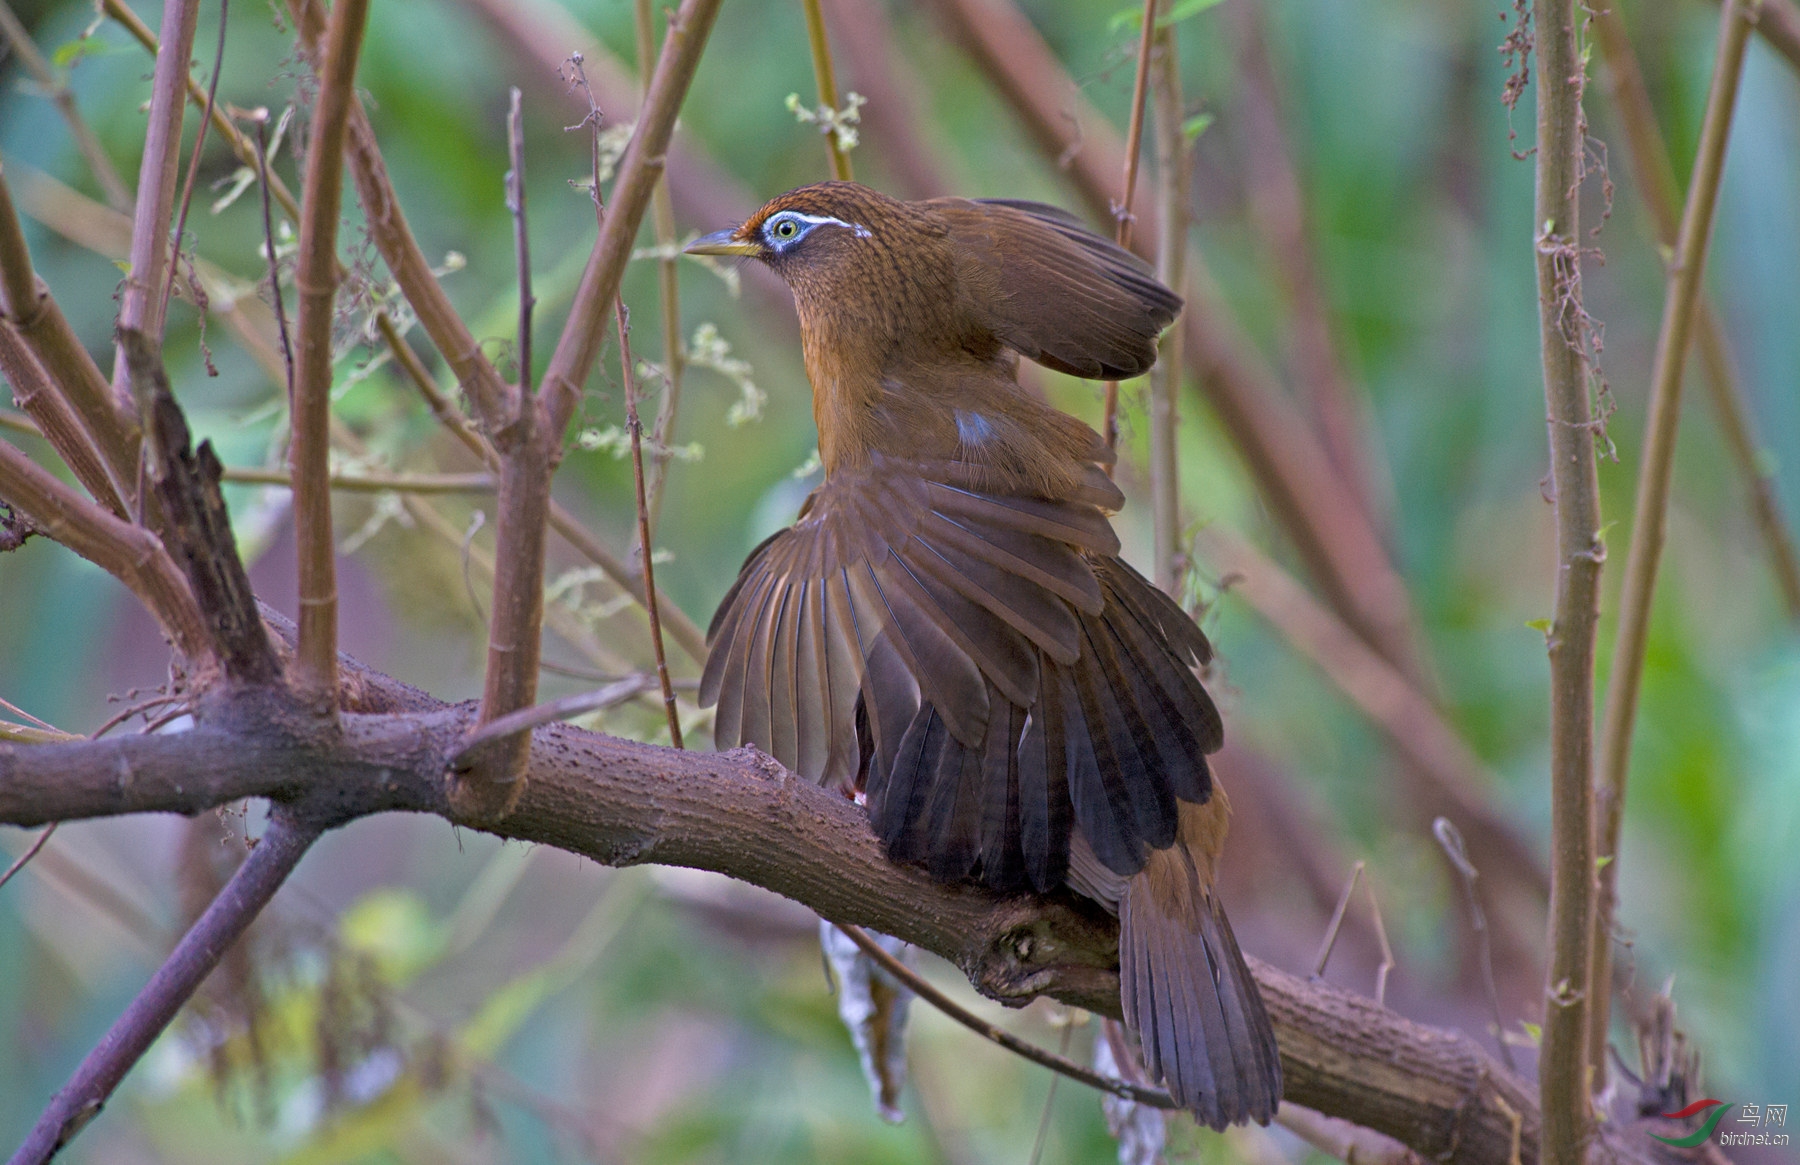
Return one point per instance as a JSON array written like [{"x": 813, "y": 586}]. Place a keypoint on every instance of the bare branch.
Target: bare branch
[
  {"x": 193, "y": 169},
  {"x": 668, "y": 285},
  {"x": 1563, "y": 338},
  {"x": 1650, "y": 511},
  {"x": 1172, "y": 159},
  {"x": 141, "y": 303},
  {"x": 739, "y": 813},
  {"x": 1134, "y": 149},
  {"x": 196, "y": 525},
  {"x": 79, "y": 1101},
  {"x": 316, "y": 280},
  {"x": 129, "y": 553},
  {"x": 56, "y": 421},
  {"x": 31, "y": 309},
  {"x": 515, "y": 204},
  {"x": 646, "y": 559},
  {"x": 680, "y": 626},
  {"x": 1655, "y": 175}
]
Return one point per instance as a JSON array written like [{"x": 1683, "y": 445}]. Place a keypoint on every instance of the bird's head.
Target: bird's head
[{"x": 810, "y": 231}]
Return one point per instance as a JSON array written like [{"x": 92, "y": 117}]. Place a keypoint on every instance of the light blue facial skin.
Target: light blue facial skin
[{"x": 783, "y": 230}]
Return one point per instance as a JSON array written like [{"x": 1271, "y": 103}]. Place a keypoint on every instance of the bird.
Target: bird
[{"x": 948, "y": 629}]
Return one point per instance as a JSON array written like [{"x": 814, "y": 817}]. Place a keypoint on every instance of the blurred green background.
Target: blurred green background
[{"x": 428, "y": 995}]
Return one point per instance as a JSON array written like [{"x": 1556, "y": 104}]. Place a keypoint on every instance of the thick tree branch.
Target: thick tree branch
[
  {"x": 741, "y": 814},
  {"x": 196, "y": 525}
]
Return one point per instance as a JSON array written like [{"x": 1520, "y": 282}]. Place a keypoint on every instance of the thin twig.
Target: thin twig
[
  {"x": 1172, "y": 156},
  {"x": 1451, "y": 839},
  {"x": 1778, "y": 23},
  {"x": 1574, "y": 483},
  {"x": 1043, "y": 1129},
  {"x": 646, "y": 559},
  {"x": 31, "y": 852},
  {"x": 923, "y": 988},
  {"x": 316, "y": 280},
  {"x": 1655, "y": 174},
  {"x": 111, "y": 185},
  {"x": 79, "y": 1101},
  {"x": 828, "y": 90},
  {"x": 1134, "y": 139},
  {"x": 579, "y": 345},
  {"x": 515, "y": 204},
  {"x": 526, "y": 719},
  {"x": 677, "y": 622},
  {"x": 634, "y": 424},
  {"x": 1651, "y": 508},
  {"x": 141, "y": 306},
  {"x": 193, "y": 168},
  {"x": 268, "y": 216},
  {"x": 1336, "y": 924},
  {"x": 1388, "y": 962},
  {"x": 373, "y": 482},
  {"x": 1343, "y": 1141},
  {"x": 662, "y": 214}
]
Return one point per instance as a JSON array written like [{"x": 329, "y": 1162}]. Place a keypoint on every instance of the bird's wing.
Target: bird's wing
[
  {"x": 1054, "y": 291},
  {"x": 981, "y": 664}
]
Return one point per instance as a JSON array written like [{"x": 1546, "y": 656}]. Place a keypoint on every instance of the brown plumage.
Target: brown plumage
[{"x": 948, "y": 628}]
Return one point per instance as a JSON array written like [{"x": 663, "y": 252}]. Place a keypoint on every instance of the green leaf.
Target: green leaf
[
  {"x": 1181, "y": 10},
  {"x": 1534, "y": 1031},
  {"x": 1543, "y": 625},
  {"x": 1196, "y": 125},
  {"x": 1603, "y": 861},
  {"x": 69, "y": 52}
]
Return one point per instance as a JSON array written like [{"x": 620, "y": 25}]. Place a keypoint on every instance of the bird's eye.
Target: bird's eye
[{"x": 787, "y": 228}]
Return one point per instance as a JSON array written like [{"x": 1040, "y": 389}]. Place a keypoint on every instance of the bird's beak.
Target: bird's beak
[{"x": 723, "y": 242}]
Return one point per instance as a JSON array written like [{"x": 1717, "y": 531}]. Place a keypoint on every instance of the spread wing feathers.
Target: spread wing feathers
[
  {"x": 963, "y": 590},
  {"x": 981, "y": 665},
  {"x": 1054, "y": 291}
]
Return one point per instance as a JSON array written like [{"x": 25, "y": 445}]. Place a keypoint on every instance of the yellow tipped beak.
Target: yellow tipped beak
[{"x": 722, "y": 242}]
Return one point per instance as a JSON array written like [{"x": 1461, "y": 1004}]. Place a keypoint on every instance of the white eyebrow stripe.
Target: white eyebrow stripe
[{"x": 819, "y": 220}]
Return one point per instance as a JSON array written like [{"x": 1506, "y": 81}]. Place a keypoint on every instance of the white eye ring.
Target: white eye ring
[{"x": 802, "y": 225}]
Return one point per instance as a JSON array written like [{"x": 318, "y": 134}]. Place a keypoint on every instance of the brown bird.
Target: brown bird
[{"x": 948, "y": 627}]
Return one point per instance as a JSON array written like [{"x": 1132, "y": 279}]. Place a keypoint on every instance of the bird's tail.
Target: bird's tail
[{"x": 1187, "y": 993}]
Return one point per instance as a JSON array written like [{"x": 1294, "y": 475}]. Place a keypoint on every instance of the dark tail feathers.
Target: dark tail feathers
[{"x": 1196, "y": 1010}]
